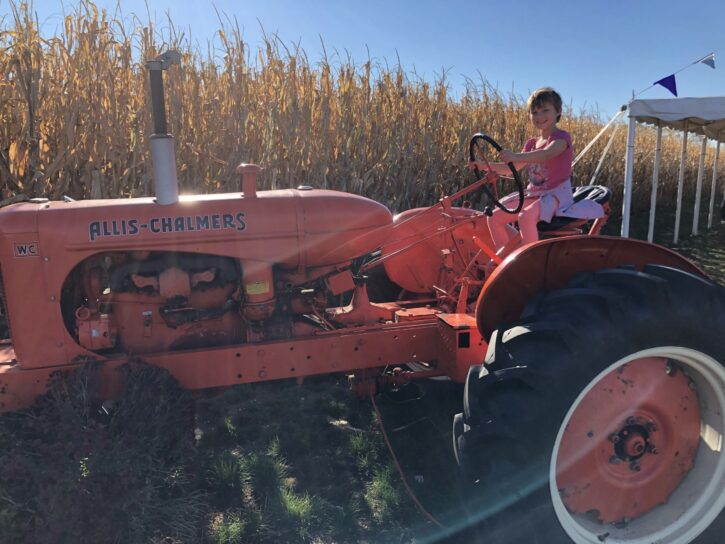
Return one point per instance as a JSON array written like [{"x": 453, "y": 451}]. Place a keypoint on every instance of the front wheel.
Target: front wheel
[{"x": 600, "y": 416}]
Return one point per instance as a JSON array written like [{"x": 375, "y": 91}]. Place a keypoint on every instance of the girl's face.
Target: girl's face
[{"x": 544, "y": 116}]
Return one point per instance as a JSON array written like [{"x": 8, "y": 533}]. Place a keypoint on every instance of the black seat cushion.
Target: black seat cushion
[{"x": 598, "y": 193}]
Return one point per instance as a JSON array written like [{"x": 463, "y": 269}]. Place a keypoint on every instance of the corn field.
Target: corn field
[{"x": 75, "y": 115}]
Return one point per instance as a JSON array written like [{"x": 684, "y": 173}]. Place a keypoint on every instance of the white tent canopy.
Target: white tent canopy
[{"x": 702, "y": 116}]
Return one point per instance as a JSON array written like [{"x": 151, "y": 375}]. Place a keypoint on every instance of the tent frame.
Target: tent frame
[{"x": 701, "y": 116}]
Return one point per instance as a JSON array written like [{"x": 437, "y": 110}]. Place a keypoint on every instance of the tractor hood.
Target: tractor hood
[{"x": 290, "y": 228}]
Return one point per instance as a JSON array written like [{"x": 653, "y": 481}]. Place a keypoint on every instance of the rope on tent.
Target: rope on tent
[
  {"x": 590, "y": 144},
  {"x": 604, "y": 156}
]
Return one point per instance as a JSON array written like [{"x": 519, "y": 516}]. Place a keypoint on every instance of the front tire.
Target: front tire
[{"x": 600, "y": 416}]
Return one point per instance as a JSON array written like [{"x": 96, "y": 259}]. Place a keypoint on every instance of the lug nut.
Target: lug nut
[
  {"x": 634, "y": 465},
  {"x": 614, "y": 460},
  {"x": 614, "y": 438}
]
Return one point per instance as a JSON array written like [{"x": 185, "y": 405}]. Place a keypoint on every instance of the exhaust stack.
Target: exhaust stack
[{"x": 163, "y": 157}]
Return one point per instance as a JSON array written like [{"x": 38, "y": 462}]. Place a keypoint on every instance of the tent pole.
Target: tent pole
[
  {"x": 628, "y": 172},
  {"x": 698, "y": 189},
  {"x": 713, "y": 186},
  {"x": 680, "y": 184},
  {"x": 655, "y": 179}
]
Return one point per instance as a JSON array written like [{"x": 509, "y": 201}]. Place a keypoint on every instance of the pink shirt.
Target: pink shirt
[{"x": 552, "y": 173}]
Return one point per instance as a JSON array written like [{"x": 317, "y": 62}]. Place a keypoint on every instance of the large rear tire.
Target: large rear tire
[{"x": 600, "y": 416}]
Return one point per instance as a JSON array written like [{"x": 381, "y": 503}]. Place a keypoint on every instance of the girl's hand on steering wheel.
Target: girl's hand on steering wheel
[
  {"x": 493, "y": 173},
  {"x": 506, "y": 155}
]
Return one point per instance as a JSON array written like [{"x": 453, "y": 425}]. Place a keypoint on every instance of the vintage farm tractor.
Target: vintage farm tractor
[{"x": 593, "y": 366}]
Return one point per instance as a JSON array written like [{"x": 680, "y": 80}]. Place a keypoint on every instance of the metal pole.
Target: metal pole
[
  {"x": 713, "y": 186},
  {"x": 158, "y": 106},
  {"x": 655, "y": 179},
  {"x": 698, "y": 189},
  {"x": 680, "y": 184},
  {"x": 163, "y": 156},
  {"x": 628, "y": 173}
]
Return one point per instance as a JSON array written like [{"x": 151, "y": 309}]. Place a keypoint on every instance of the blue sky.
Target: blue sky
[{"x": 594, "y": 52}]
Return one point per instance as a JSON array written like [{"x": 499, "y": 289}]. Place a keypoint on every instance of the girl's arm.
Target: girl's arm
[
  {"x": 500, "y": 168},
  {"x": 557, "y": 147},
  {"x": 522, "y": 159}
]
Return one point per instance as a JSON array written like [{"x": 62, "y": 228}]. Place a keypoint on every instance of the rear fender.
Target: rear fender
[{"x": 550, "y": 264}]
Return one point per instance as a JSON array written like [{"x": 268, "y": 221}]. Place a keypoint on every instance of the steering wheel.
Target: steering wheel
[{"x": 477, "y": 151}]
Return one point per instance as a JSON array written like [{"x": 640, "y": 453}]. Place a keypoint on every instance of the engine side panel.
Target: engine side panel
[{"x": 308, "y": 233}]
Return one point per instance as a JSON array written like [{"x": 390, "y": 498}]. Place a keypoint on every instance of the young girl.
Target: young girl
[{"x": 549, "y": 158}]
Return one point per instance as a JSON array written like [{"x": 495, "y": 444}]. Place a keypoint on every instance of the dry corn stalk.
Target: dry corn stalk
[{"x": 73, "y": 109}]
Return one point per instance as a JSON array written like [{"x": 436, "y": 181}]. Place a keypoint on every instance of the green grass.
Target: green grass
[
  {"x": 301, "y": 464},
  {"x": 228, "y": 528},
  {"x": 707, "y": 251}
]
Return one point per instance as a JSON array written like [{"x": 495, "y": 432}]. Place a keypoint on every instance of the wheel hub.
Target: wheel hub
[
  {"x": 634, "y": 440},
  {"x": 634, "y": 445},
  {"x": 630, "y": 442}
]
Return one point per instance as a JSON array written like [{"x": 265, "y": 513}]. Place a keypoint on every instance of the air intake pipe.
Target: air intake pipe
[{"x": 163, "y": 157}]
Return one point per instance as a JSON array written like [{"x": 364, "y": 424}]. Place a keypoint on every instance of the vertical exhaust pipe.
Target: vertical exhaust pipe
[{"x": 163, "y": 157}]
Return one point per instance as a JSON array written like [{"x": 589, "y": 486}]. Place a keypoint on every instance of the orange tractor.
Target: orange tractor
[{"x": 593, "y": 367}]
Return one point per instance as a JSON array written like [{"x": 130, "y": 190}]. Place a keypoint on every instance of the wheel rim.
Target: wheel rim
[{"x": 643, "y": 468}]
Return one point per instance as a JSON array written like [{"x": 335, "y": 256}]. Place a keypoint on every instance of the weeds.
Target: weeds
[
  {"x": 366, "y": 450},
  {"x": 225, "y": 478},
  {"x": 228, "y": 529},
  {"x": 70, "y": 475},
  {"x": 303, "y": 477},
  {"x": 383, "y": 497}
]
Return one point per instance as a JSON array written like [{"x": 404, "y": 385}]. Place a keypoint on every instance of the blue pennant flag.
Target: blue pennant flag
[
  {"x": 668, "y": 83},
  {"x": 709, "y": 60}
]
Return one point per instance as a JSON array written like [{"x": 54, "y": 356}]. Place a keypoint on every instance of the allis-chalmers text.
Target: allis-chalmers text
[{"x": 161, "y": 225}]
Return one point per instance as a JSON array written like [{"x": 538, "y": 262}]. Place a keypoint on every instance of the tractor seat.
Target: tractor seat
[{"x": 598, "y": 193}]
